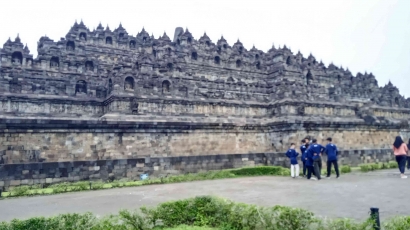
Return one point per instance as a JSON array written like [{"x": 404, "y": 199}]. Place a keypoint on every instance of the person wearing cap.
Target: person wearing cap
[{"x": 331, "y": 152}]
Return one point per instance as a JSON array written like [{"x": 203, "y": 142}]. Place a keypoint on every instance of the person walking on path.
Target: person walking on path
[
  {"x": 408, "y": 157},
  {"x": 314, "y": 152},
  {"x": 400, "y": 151},
  {"x": 331, "y": 152},
  {"x": 302, "y": 152},
  {"x": 294, "y": 166}
]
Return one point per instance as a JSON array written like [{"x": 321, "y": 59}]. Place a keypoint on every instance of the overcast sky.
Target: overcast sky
[{"x": 363, "y": 35}]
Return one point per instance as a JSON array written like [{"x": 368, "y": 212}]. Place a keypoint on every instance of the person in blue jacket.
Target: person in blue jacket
[
  {"x": 309, "y": 163},
  {"x": 303, "y": 149},
  {"x": 294, "y": 166},
  {"x": 314, "y": 154},
  {"x": 331, "y": 152}
]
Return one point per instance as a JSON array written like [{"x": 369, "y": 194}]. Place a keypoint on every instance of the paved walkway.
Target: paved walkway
[{"x": 350, "y": 196}]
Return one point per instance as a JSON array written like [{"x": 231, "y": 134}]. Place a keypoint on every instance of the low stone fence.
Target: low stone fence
[{"x": 55, "y": 172}]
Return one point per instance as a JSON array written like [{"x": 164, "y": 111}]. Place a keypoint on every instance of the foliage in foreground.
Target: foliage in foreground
[
  {"x": 378, "y": 166},
  {"x": 201, "y": 213}
]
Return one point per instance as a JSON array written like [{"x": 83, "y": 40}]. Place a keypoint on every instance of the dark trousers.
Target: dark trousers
[
  {"x": 317, "y": 165},
  {"x": 329, "y": 168},
  {"x": 408, "y": 162},
  {"x": 304, "y": 168},
  {"x": 401, "y": 161},
  {"x": 310, "y": 170}
]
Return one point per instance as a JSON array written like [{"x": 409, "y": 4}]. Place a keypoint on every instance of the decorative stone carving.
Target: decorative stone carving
[
  {"x": 301, "y": 110},
  {"x": 134, "y": 106},
  {"x": 81, "y": 87}
]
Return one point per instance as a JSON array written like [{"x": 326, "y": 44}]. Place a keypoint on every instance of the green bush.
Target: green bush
[
  {"x": 61, "y": 187},
  {"x": 375, "y": 166},
  {"x": 20, "y": 190},
  {"x": 63, "y": 222},
  {"x": 258, "y": 171},
  {"x": 397, "y": 223},
  {"x": 365, "y": 168},
  {"x": 393, "y": 165},
  {"x": 97, "y": 185},
  {"x": 81, "y": 186},
  {"x": 343, "y": 224},
  {"x": 207, "y": 212},
  {"x": 385, "y": 165},
  {"x": 292, "y": 218},
  {"x": 346, "y": 169}
]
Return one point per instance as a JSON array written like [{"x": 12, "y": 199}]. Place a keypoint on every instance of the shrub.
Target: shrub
[
  {"x": 80, "y": 186},
  {"x": 117, "y": 184},
  {"x": 285, "y": 172},
  {"x": 64, "y": 221},
  {"x": 346, "y": 169},
  {"x": 375, "y": 166},
  {"x": 199, "y": 211},
  {"x": 393, "y": 164},
  {"x": 259, "y": 171},
  {"x": 292, "y": 218},
  {"x": 203, "y": 211},
  {"x": 397, "y": 223},
  {"x": 20, "y": 190},
  {"x": 112, "y": 222},
  {"x": 133, "y": 220},
  {"x": 346, "y": 224},
  {"x": 209, "y": 211},
  {"x": 97, "y": 185},
  {"x": 385, "y": 165},
  {"x": 60, "y": 188},
  {"x": 364, "y": 168}
]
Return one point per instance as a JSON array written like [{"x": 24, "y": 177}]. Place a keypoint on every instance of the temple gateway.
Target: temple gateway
[{"x": 103, "y": 104}]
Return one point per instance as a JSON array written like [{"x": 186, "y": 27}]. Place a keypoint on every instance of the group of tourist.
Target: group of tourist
[{"x": 311, "y": 156}]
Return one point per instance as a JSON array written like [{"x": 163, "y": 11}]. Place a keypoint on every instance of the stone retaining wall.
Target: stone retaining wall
[{"x": 56, "y": 172}]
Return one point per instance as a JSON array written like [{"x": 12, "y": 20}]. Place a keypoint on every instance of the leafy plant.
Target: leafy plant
[
  {"x": 202, "y": 213},
  {"x": 133, "y": 220},
  {"x": 397, "y": 223},
  {"x": 365, "y": 168},
  {"x": 393, "y": 164},
  {"x": 97, "y": 185},
  {"x": 375, "y": 166},
  {"x": 346, "y": 169},
  {"x": 20, "y": 190}
]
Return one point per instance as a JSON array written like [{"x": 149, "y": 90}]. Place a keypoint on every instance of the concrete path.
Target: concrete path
[{"x": 350, "y": 196}]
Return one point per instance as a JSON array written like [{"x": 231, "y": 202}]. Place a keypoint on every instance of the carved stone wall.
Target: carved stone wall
[
  {"x": 105, "y": 95},
  {"x": 57, "y": 172}
]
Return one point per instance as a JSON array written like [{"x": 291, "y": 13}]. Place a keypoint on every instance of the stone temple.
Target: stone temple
[{"x": 103, "y": 104}]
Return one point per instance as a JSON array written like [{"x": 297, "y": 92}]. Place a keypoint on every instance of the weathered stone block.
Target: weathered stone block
[{"x": 15, "y": 182}]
